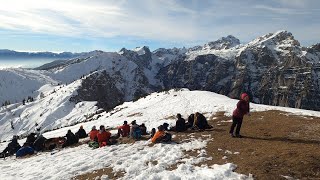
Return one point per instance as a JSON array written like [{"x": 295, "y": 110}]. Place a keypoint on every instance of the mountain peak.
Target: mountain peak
[
  {"x": 223, "y": 43},
  {"x": 142, "y": 50},
  {"x": 280, "y": 37}
]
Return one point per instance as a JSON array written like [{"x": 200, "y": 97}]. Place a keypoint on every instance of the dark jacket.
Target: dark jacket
[
  {"x": 31, "y": 138},
  {"x": 39, "y": 144},
  {"x": 180, "y": 125},
  {"x": 71, "y": 139},
  {"x": 12, "y": 147},
  {"x": 242, "y": 109},
  {"x": 202, "y": 122},
  {"x": 191, "y": 120},
  {"x": 82, "y": 133}
]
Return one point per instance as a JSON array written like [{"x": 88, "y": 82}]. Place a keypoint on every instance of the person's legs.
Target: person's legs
[
  {"x": 120, "y": 132},
  {"x": 239, "y": 123},
  {"x": 234, "y": 123}
]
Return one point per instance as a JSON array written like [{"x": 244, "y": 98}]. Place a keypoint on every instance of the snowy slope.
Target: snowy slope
[
  {"x": 52, "y": 110},
  {"x": 135, "y": 160},
  {"x": 17, "y": 84},
  {"x": 55, "y": 111}
]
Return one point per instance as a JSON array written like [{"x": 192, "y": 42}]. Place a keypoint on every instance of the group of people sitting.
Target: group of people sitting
[
  {"x": 37, "y": 142},
  {"x": 195, "y": 121},
  {"x": 15, "y": 148},
  {"x": 102, "y": 137}
]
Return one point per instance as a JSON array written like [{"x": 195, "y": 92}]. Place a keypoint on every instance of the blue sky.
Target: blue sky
[{"x": 85, "y": 25}]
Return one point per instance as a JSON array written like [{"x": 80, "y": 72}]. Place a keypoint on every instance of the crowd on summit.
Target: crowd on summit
[{"x": 102, "y": 137}]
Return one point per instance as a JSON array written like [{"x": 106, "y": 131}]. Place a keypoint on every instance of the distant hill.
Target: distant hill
[{"x": 10, "y": 54}]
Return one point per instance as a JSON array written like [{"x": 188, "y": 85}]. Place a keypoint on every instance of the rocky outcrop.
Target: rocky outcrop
[
  {"x": 274, "y": 69},
  {"x": 99, "y": 87}
]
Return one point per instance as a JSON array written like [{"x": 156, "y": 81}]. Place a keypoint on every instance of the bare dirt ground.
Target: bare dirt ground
[{"x": 275, "y": 144}]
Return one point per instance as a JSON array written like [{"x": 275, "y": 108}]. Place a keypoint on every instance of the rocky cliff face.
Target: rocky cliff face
[{"x": 274, "y": 69}]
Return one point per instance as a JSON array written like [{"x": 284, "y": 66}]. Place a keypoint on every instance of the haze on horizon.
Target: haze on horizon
[{"x": 79, "y": 25}]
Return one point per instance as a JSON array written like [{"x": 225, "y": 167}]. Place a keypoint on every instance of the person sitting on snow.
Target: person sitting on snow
[
  {"x": 103, "y": 136},
  {"x": 39, "y": 143},
  {"x": 26, "y": 149},
  {"x": 81, "y": 133},
  {"x": 71, "y": 139},
  {"x": 201, "y": 122},
  {"x": 31, "y": 138},
  {"x": 124, "y": 130},
  {"x": 166, "y": 126},
  {"x": 143, "y": 129},
  {"x": 12, "y": 148},
  {"x": 161, "y": 136},
  {"x": 135, "y": 131},
  {"x": 93, "y": 134},
  {"x": 180, "y": 124},
  {"x": 153, "y": 132},
  {"x": 190, "y": 121}
]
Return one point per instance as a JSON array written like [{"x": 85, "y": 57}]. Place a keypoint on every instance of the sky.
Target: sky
[{"x": 109, "y": 25}]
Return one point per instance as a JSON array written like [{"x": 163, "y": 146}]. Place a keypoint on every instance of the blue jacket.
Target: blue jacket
[{"x": 24, "y": 151}]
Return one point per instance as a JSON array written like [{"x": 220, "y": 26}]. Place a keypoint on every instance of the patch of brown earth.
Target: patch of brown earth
[
  {"x": 95, "y": 175},
  {"x": 275, "y": 144},
  {"x": 135, "y": 115}
]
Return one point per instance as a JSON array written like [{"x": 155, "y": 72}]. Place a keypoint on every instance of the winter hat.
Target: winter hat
[{"x": 243, "y": 95}]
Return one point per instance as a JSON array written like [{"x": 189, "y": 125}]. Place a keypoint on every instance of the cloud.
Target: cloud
[
  {"x": 279, "y": 10},
  {"x": 186, "y": 21}
]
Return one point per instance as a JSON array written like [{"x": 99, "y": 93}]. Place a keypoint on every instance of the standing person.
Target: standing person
[{"x": 237, "y": 116}]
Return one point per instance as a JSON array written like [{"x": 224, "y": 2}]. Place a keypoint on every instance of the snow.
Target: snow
[
  {"x": 140, "y": 50},
  {"x": 152, "y": 110},
  {"x": 16, "y": 84},
  {"x": 135, "y": 160},
  {"x": 52, "y": 111}
]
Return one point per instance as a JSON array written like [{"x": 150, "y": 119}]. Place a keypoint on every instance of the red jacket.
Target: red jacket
[
  {"x": 242, "y": 109},
  {"x": 103, "y": 137},
  {"x": 125, "y": 130},
  {"x": 93, "y": 134}
]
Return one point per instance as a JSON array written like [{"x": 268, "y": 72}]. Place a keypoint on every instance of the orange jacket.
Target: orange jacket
[
  {"x": 157, "y": 135},
  {"x": 93, "y": 134},
  {"x": 125, "y": 130},
  {"x": 103, "y": 137}
]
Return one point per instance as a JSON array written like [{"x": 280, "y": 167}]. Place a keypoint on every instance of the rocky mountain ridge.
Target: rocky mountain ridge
[{"x": 274, "y": 69}]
